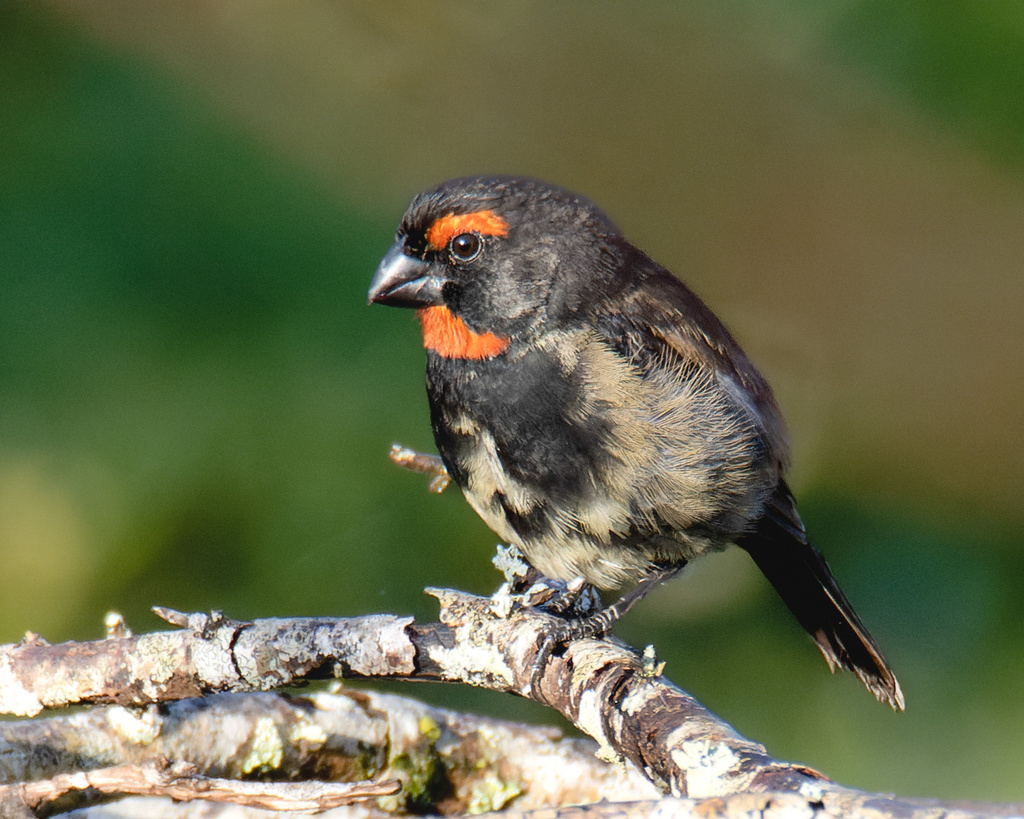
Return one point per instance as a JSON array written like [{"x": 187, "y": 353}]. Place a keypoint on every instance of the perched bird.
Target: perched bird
[{"x": 595, "y": 412}]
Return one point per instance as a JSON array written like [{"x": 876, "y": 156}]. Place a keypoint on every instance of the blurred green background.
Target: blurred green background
[{"x": 196, "y": 404}]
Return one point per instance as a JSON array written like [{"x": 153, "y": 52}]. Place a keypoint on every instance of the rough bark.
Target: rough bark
[{"x": 444, "y": 762}]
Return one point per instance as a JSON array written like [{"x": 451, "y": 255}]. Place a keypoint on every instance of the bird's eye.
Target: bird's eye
[{"x": 465, "y": 247}]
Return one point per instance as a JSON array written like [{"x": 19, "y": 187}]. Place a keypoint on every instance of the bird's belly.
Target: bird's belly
[
  {"x": 594, "y": 468},
  {"x": 594, "y": 536}
]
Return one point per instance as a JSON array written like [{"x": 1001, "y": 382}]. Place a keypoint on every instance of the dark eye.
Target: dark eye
[{"x": 465, "y": 247}]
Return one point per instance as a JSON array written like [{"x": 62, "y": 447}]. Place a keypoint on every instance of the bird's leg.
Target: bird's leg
[
  {"x": 600, "y": 623},
  {"x": 606, "y": 618}
]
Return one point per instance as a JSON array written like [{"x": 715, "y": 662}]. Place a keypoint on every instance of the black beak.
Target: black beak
[{"x": 404, "y": 281}]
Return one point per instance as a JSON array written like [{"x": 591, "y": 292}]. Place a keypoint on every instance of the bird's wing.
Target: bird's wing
[{"x": 659, "y": 316}]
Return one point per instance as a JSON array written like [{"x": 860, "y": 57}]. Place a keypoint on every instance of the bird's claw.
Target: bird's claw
[{"x": 561, "y": 634}]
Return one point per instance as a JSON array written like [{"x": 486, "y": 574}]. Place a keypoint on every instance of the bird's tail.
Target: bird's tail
[{"x": 802, "y": 578}]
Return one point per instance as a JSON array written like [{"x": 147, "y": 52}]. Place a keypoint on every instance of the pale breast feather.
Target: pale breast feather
[
  {"x": 670, "y": 425},
  {"x": 643, "y": 440}
]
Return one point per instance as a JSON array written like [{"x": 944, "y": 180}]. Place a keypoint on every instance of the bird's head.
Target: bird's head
[{"x": 490, "y": 259}]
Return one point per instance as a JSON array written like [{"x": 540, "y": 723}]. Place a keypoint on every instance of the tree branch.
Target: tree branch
[
  {"x": 605, "y": 688},
  {"x": 183, "y": 784}
]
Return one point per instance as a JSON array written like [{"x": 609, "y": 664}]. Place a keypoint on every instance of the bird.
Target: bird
[{"x": 595, "y": 412}]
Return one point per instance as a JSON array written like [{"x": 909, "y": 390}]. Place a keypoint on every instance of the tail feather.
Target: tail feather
[{"x": 800, "y": 575}]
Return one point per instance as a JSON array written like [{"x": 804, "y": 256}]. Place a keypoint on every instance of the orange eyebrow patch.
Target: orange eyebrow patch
[
  {"x": 484, "y": 222},
  {"x": 449, "y": 336}
]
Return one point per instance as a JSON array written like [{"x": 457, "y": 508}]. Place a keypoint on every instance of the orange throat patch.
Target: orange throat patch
[{"x": 447, "y": 335}]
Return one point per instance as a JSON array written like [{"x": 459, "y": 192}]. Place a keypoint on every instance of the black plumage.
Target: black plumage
[{"x": 592, "y": 408}]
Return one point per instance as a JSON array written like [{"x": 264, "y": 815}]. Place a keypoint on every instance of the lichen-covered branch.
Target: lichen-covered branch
[
  {"x": 611, "y": 692},
  {"x": 443, "y": 760},
  {"x": 181, "y": 783},
  {"x": 211, "y": 654},
  {"x": 600, "y": 685}
]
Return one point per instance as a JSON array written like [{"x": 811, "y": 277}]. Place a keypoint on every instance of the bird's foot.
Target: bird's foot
[
  {"x": 575, "y": 600},
  {"x": 575, "y": 603},
  {"x": 595, "y": 622},
  {"x": 580, "y": 604}
]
